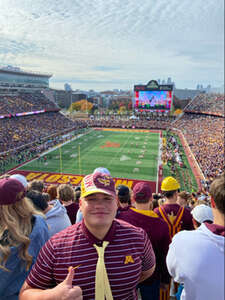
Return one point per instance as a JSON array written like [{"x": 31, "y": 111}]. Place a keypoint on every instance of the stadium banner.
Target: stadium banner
[{"x": 58, "y": 178}]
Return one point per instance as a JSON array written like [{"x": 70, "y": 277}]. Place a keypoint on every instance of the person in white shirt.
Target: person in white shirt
[{"x": 196, "y": 258}]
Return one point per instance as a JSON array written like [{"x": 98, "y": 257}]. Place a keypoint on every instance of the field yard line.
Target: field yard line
[
  {"x": 67, "y": 142},
  {"x": 86, "y": 152},
  {"x": 118, "y": 151},
  {"x": 53, "y": 149}
]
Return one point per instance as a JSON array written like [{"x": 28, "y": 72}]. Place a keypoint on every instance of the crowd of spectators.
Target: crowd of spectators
[
  {"x": 19, "y": 131},
  {"x": 47, "y": 211},
  {"x": 203, "y": 131},
  {"x": 23, "y": 138},
  {"x": 150, "y": 122},
  {"x": 205, "y": 136},
  {"x": 25, "y": 102},
  {"x": 205, "y": 103},
  {"x": 52, "y": 209}
]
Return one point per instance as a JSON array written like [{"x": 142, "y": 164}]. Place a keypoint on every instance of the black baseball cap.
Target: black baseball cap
[{"x": 123, "y": 190}]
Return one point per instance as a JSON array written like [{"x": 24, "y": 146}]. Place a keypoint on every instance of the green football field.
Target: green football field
[{"x": 132, "y": 155}]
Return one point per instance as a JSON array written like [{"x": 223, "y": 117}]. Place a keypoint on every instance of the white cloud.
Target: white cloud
[{"x": 115, "y": 43}]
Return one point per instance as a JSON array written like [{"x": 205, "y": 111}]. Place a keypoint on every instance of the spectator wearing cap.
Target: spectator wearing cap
[
  {"x": 177, "y": 217},
  {"x": 201, "y": 213},
  {"x": 21, "y": 179},
  {"x": 107, "y": 266},
  {"x": 141, "y": 215},
  {"x": 102, "y": 170},
  {"x": 123, "y": 198},
  {"x": 66, "y": 196},
  {"x": 196, "y": 258},
  {"x": 23, "y": 232},
  {"x": 56, "y": 214}
]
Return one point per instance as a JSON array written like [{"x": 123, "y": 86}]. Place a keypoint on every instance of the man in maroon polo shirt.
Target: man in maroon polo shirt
[
  {"x": 110, "y": 256},
  {"x": 158, "y": 232}
]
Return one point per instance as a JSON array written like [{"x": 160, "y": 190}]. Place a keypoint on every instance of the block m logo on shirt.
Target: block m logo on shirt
[{"x": 128, "y": 259}]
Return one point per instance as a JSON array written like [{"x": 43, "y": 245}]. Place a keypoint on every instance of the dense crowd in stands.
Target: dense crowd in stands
[
  {"x": 204, "y": 133},
  {"x": 152, "y": 122},
  {"x": 205, "y": 103},
  {"x": 19, "y": 131},
  {"x": 205, "y": 136},
  {"x": 32, "y": 214},
  {"x": 24, "y": 102}
]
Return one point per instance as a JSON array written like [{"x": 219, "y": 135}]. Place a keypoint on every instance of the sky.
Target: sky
[{"x": 114, "y": 44}]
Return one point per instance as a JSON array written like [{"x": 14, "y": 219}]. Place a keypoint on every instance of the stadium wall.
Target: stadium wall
[{"x": 74, "y": 180}]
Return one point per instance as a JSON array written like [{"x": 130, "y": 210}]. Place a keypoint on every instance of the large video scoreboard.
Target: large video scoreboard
[{"x": 153, "y": 97}]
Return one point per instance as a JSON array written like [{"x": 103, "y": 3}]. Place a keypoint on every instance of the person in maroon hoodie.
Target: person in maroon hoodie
[
  {"x": 143, "y": 216},
  {"x": 66, "y": 196}
]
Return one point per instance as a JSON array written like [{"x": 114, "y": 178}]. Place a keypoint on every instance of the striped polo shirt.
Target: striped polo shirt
[{"x": 128, "y": 254}]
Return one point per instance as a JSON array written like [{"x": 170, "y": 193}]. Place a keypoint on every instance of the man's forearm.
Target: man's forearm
[
  {"x": 37, "y": 294},
  {"x": 63, "y": 291},
  {"x": 146, "y": 274}
]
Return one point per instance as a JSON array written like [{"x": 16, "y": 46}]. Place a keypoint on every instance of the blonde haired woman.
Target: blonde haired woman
[{"x": 22, "y": 234}]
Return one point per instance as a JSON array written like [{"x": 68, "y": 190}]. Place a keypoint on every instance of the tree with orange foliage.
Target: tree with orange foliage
[{"x": 82, "y": 105}]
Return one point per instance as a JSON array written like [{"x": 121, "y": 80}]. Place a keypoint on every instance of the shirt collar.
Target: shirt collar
[
  {"x": 149, "y": 213},
  {"x": 216, "y": 229},
  {"x": 93, "y": 240}
]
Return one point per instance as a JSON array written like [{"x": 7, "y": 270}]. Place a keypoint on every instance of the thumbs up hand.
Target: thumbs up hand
[{"x": 66, "y": 291}]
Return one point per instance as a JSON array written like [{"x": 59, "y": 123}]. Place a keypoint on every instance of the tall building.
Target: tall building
[
  {"x": 169, "y": 81},
  {"x": 16, "y": 76},
  {"x": 67, "y": 87}
]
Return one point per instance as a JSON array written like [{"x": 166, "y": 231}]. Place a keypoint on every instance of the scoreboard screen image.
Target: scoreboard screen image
[{"x": 153, "y": 100}]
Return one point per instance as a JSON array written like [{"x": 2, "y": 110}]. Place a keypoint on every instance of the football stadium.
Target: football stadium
[
  {"x": 112, "y": 150},
  {"x": 45, "y": 144},
  {"x": 57, "y": 147}
]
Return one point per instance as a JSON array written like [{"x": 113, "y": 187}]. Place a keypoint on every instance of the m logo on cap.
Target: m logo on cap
[
  {"x": 97, "y": 183},
  {"x": 105, "y": 181}
]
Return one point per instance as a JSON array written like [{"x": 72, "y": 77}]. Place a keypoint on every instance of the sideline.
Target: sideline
[
  {"x": 67, "y": 142},
  {"x": 50, "y": 150},
  {"x": 159, "y": 163},
  {"x": 191, "y": 158}
]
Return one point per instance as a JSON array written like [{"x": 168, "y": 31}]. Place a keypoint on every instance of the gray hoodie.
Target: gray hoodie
[{"x": 57, "y": 218}]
